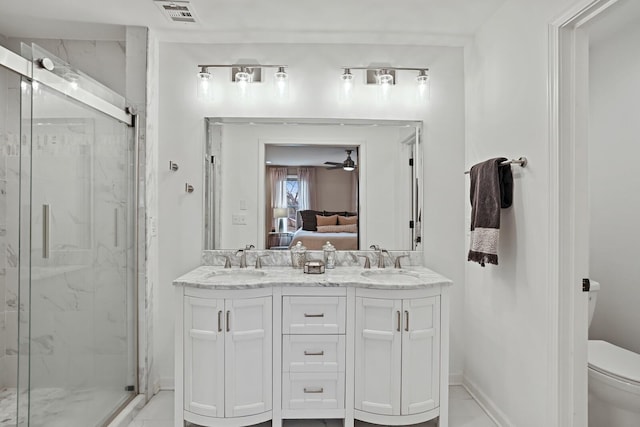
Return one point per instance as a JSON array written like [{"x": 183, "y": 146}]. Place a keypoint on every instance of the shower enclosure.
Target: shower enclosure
[{"x": 67, "y": 245}]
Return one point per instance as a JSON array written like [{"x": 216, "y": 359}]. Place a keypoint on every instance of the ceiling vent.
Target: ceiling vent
[{"x": 177, "y": 11}]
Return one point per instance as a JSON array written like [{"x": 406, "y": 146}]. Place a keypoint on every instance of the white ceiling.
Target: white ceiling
[
  {"x": 309, "y": 155},
  {"x": 360, "y": 21}
]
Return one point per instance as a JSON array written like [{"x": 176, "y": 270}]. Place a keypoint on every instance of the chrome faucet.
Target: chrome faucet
[
  {"x": 381, "y": 253},
  {"x": 243, "y": 255},
  {"x": 259, "y": 261},
  {"x": 396, "y": 264},
  {"x": 367, "y": 263}
]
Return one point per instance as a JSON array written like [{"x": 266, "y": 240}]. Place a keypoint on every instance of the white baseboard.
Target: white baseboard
[
  {"x": 487, "y": 404},
  {"x": 166, "y": 383},
  {"x": 455, "y": 378}
]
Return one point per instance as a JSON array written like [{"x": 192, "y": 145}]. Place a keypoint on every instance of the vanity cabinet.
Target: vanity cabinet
[
  {"x": 397, "y": 348},
  {"x": 282, "y": 345},
  {"x": 227, "y": 356}
]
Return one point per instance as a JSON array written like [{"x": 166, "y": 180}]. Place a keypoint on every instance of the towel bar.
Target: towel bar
[{"x": 522, "y": 161}]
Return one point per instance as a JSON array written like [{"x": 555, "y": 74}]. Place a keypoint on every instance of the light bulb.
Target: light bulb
[
  {"x": 281, "y": 79},
  {"x": 385, "y": 77},
  {"x": 204, "y": 84},
  {"x": 423, "y": 86},
  {"x": 346, "y": 90},
  {"x": 242, "y": 76}
]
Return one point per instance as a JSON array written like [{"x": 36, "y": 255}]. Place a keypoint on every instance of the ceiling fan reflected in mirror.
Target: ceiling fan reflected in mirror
[{"x": 347, "y": 165}]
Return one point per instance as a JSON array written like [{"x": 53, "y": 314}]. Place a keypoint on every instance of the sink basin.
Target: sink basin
[
  {"x": 392, "y": 276},
  {"x": 235, "y": 274}
]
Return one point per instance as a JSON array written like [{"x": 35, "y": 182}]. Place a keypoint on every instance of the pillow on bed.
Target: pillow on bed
[
  {"x": 326, "y": 220},
  {"x": 347, "y": 220},
  {"x": 351, "y": 228},
  {"x": 309, "y": 219}
]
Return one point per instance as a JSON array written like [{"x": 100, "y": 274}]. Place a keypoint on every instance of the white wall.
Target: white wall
[
  {"x": 314, "y": 83},
  {"x": 614, "y": 72},
  {"x": 507, "y": 342},
  {"x": 334, "y": 190}
]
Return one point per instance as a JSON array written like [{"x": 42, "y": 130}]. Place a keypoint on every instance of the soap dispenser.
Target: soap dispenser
[
  {"x": 298, "y": 255},
  {"x": 329, "y": 255}
]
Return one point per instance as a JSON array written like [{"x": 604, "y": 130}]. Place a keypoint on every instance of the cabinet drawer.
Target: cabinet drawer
[
  {"x": 313, "y": 315},
  {"x": 313, "y": 390},
  {"x": 313, "y": 353}
]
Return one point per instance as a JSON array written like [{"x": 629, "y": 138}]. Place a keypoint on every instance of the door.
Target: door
[
  {"x": 248, "y": 373},
  {"x": 82, "y": 261},
  {"x": 378, "y": 355},
  {"x": 420, "y": 355},
  {"x": 204, "y": 356}
]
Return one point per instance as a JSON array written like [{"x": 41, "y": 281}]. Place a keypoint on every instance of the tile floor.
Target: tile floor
[{"x": 464, "y": 412}]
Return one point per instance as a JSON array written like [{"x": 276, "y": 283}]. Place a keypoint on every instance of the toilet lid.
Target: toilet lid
[{"x": 616, "y": 361}]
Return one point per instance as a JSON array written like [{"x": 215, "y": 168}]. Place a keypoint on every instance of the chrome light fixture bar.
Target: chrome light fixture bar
[
  {"x": 386, "y": 75},
  {"x": 249, "y": 73},
  {"x": 241, "y": 75}
]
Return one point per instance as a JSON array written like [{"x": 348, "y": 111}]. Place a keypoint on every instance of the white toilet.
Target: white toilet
[{"x": 614, "y": 380}]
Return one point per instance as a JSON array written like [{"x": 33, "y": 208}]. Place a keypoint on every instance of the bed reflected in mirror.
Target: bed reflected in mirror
[{"x": 311, "y": 196}]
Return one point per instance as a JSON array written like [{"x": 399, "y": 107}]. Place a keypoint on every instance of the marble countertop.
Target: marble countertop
[{"x": 215, "y": 277}]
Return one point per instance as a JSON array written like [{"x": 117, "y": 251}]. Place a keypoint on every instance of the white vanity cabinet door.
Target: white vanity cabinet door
[
  {"x": 420, "y": 355},
  {"x": 248, "y": 356},
  {"x": 397, "y": 355},
  {"x": 204, "y": 356},
  {"x": 378, "y": 355}
]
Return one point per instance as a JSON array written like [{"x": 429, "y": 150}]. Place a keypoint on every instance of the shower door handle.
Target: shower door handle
[{"x": 45, "y": 231}]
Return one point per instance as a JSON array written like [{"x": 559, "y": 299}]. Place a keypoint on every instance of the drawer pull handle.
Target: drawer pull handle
[
  {"x": 314, "y": 315},
  {"x": 314, "y": 390},
  {"x": 313, "y": 353}
]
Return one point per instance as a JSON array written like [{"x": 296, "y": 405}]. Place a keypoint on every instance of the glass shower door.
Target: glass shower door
[{"x": 82, "y": 357}]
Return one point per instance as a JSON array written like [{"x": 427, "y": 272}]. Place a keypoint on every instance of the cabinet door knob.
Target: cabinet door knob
[{"x": 314, "y": 389}]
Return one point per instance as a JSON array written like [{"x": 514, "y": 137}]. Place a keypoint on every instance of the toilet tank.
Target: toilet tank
[{"x": 593, "y": 296}]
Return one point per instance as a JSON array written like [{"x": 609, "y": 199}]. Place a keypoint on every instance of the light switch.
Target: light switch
[{"x": 239, "y": 219}]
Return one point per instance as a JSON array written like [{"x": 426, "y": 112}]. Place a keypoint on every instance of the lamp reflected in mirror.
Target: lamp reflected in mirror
[{"x": 280, "y": 215}]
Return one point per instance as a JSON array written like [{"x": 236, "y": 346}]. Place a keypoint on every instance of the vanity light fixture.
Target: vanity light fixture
[
  {"x": 242, "y": 75},
  {"x": 386, "y": 76}
]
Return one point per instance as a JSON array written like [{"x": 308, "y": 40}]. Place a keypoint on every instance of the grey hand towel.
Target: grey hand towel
[{"x": 491, "y": 189}]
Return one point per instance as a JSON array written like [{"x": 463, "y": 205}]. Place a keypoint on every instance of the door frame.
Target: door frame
[{"x": 568, "y": 197}]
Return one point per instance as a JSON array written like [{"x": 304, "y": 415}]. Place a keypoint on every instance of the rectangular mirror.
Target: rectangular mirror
[{"x": 273, "y": 182}]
